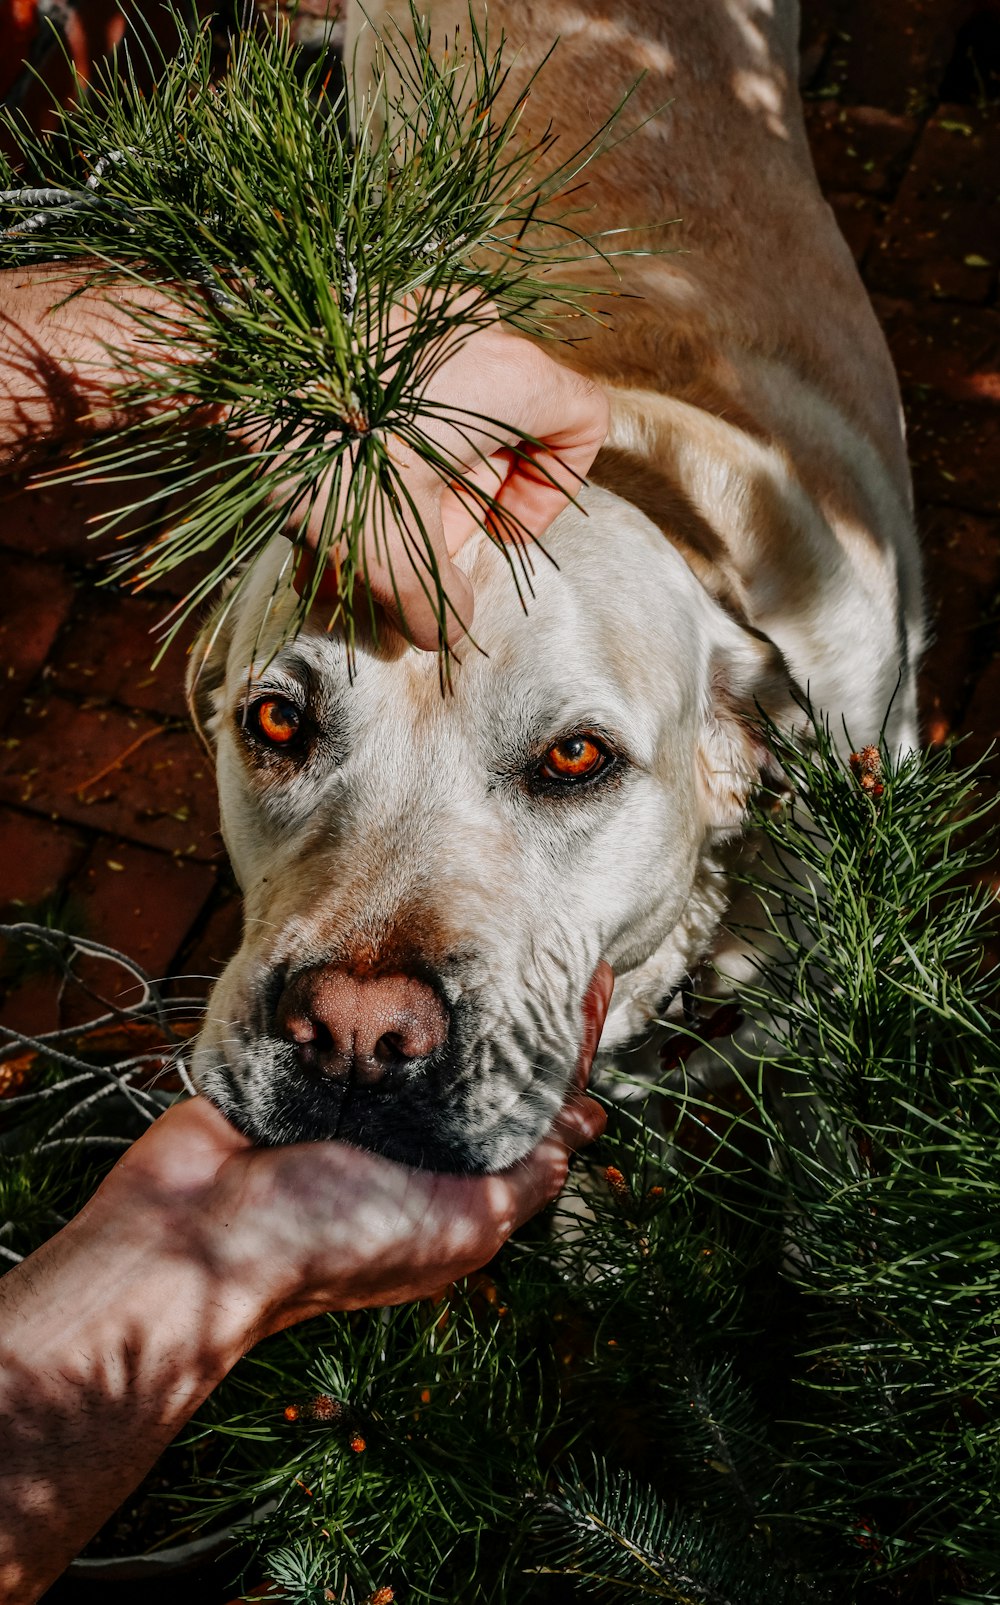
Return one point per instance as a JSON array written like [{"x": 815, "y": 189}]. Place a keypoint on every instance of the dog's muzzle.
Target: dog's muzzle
[{"x": 398, "y": 1058}]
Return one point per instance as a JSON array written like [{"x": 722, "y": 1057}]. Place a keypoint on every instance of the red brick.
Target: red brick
[
  {"x": 204, "y": 960},
  {"x": 943, "y": 222},
  {"x": 32, "y": 1005},
  {"x": 182, "y": 580},
  {"x": 818, "y": 23},
  {"x": 858, "y": 148},
  {"x": 108, "y": 651},
  {"x": 43, "y": 518},
  {"x": 955, "y": 350},
  {"x": 955, "y": 451},
  {"x": 119, "y": 773},
  {"x": 60, "y": 520},
  {"x": 892, "y": 54},
  {"x": 857, "y": 218},
  {"x": 981, "y": 723},
  {"x": 37, "y": 857},
  {"x": 140, "y": 902},
  {"x": 37, "y": 598},
  {"x": 965, "y": 547},
  {"x": 962, "y": 557}
]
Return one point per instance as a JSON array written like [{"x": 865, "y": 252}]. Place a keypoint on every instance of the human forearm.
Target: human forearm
[
  {"x": 57, "y": 381},
  {"x": 110, "y": 1338}
]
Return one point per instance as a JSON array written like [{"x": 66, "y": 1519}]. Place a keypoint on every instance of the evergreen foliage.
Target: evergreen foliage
[
  {"x": 755, "y": 1359},
  {"x": 288, "y": 225}
]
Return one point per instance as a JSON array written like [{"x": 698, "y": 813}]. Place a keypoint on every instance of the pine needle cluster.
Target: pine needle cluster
[
  {"x": 288, "y": 222},
  {"x": 753, "y": 1360}
]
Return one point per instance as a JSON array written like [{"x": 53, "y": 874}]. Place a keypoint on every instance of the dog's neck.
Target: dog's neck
[{"x": 795, "y": 530}]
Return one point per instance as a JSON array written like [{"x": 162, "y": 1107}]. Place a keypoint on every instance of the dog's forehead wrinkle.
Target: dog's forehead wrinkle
[{"x": 315, "y": 662}]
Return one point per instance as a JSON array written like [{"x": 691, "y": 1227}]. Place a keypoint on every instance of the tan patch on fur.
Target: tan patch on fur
[{"x": 417, "y": 935}]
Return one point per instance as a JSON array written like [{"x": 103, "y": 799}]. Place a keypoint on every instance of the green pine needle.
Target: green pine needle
[
  {"x": 285, "y": 243},
  {"x": 619, "y": 1541}
]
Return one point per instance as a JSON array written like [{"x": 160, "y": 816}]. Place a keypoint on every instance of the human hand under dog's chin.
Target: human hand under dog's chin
[{"x": 289, "y": 1232}]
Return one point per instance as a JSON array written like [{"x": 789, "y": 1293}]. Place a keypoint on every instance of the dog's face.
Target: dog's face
[{"x": 431, "y": 879}]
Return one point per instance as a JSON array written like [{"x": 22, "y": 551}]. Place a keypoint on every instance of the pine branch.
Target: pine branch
[
  {"x": 878, "y": 1089},
  {"x": 618, "y": 1539},
  {"x": 286, "y": 247}
]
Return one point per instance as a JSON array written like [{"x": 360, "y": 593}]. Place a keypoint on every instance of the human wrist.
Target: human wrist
[
  {"x": 134, "y": 1290},
  {"x": 111, "y": 1336},
  {"x": 142, "y": 1273}
]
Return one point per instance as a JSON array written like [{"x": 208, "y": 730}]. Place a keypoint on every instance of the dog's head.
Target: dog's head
[{"x": 431, "y": 880}]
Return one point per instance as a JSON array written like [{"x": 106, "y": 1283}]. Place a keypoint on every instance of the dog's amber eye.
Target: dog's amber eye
[
  {"x": 575, "y": 758},
  {"x": 275, "y": 721}
]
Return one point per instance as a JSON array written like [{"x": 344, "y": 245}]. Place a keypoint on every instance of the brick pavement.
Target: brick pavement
[{"x": 107, "y": 811}]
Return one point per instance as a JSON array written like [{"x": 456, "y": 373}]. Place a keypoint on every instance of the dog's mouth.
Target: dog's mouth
[
  {"x": 427, "y": 1116},
  {"x": 412, "y": 1081}
]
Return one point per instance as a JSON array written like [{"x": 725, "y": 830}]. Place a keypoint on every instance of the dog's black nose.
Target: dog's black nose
[{"x": 359, "y": 1027}]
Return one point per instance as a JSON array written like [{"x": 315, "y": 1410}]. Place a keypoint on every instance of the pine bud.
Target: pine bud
[
  {"x": 323, "y": 1408},
  {"x": 866, "y": 766},
  {"x": 620, "y": 1190}
]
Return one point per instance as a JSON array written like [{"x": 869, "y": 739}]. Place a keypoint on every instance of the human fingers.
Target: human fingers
[
  {"x": 568, "y": 416},
  {"x": 518, "y": 489},
  {"x": 348, "y": 1230},
  {"x": 581, "y": 1119},
  {"x": 596, "y": 1003},
  {"x": 404, "y": 559},
  {"x": 521, "y": 431},
  {"x": 415, "y": 582}
]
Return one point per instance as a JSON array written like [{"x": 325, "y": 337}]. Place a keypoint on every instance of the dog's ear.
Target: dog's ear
[
  {"x": 206, "y": 671},
  {"x": 748, "y": 678}
]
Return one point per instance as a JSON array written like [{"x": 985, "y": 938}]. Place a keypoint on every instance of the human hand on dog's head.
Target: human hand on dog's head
[
  {"x": 289, "y": 1232},
  {"x": 489, "y": 374}
]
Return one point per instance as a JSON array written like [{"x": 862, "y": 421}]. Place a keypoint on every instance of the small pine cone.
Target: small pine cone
[
  {"x": 866, "y": 766},
  {"x": 381, "y": 1596},
  {"x": 358, "y": 1444},
  {"x": 291, "y": 1412},
  {"x": 323, "y": 1408}
]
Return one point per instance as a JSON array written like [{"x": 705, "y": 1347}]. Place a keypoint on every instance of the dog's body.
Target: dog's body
[{"x": 750, "y": 520}]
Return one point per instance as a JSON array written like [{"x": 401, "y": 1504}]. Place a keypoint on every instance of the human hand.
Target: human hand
[
  {"x": 490, "y": 374},
  {"x": 286, "y": 1233}
]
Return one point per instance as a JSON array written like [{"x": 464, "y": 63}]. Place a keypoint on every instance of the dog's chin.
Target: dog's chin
[{"x": 290, "y": 1110}]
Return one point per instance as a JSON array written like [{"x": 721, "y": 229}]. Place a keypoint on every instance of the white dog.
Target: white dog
[{"x": 430, "y": 881}]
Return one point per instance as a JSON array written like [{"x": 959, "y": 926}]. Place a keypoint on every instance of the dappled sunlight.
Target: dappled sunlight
[{"x": 763, "y": 95}]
